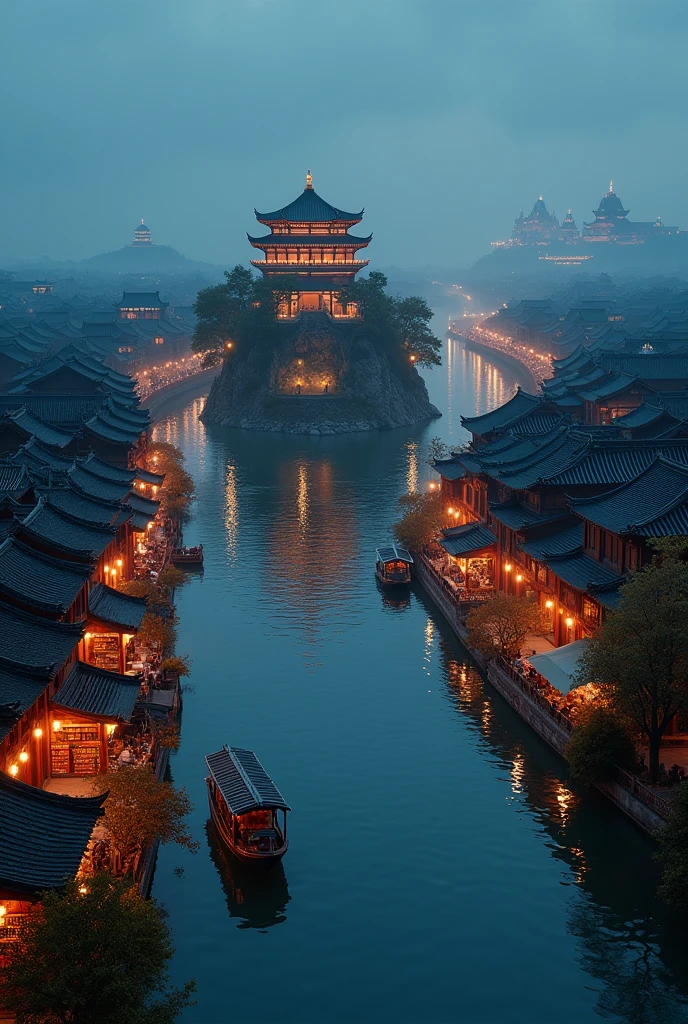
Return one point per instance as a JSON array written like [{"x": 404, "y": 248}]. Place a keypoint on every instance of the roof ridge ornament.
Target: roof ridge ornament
[
  {"x": 611, "y": 187},
  {"x": 309, "y": 179}
]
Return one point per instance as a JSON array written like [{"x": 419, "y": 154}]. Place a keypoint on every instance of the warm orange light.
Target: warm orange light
[
  {"x": 57, "y": 725},
  {"x": 141, "y": 486},
  {"x": 3, "y": 911},
  {"x": 450, "y": 510},
  {"x": 87, "y": 636},
  {"x": 432, "y": 486},
  {"x": 14, "y": 769},
  {"x": 110, "y": 728},
  {"x": 228, "y": 345},
  {"x": 149, "y": 525},
  {"x": 519, "y": 578},
  {"x": 413, "y": 359},
  {"x": 119, "y": 563},
  {"x": 106, "y": 568},
  {"x": 23, "y": 757},
  {"x": 83, "y": 890},
  {"x": 569, "y": 622},
  {"x": 507, "y": 567},
  {"x": 549, "y": 604},
  {"x": 37, "y": 733}
]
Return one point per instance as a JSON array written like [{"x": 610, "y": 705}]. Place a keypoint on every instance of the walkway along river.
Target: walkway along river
[{"x": 440, "y": 866}]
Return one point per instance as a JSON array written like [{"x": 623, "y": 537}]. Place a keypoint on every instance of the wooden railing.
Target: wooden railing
[
  {"x": 535, "y": 694},
  {"x": 653, "y": 800}
]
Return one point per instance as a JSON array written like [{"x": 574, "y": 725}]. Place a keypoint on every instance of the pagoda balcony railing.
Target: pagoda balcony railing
[
  {"x": 295, "y": 264},
  {"x": 310, "y": 312}
]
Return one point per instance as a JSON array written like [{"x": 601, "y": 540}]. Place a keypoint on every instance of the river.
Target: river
[{"x": 440, "y": 868}]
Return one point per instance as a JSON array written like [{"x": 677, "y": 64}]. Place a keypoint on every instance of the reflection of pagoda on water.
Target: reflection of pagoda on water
[{"x": 310, "y": 239}]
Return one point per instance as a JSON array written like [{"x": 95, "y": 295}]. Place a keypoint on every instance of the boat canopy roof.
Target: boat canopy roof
[
  {"x": 393, "y": 554},
  {"x": 243, "y": 782}
]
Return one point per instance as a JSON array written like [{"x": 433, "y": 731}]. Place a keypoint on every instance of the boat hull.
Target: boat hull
[
  {"x": 259, "y": 860},
  {"x": 391, "y": 583}
]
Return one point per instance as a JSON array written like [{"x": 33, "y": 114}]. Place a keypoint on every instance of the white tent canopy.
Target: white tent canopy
[{"x": 559, "y": 666}]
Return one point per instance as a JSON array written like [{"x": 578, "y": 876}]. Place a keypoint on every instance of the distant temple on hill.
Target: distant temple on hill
[
  {"x": 309, "y": 239},
  {"x": 142, "y": 235},
  {"x": 611, "y": 224}
]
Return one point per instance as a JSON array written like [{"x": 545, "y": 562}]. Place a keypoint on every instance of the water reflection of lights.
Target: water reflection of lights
[
  {"x": 231, "y": 510},
  {"x": 427, "y": 648},
  {"x": 486, "y": 716},
  {"x": 517, "y": 773},
  {"x": 302, "y": 497},
  {"x": 412, "y": 467},
  {"x": 451, "y": 345},
  {"x": 565, "y": 799}
]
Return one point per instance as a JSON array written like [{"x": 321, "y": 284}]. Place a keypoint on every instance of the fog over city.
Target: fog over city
[{"x": 443, "y": 119}]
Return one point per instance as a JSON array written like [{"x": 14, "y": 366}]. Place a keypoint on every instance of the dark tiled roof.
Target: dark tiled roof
[
  {"x": 36, "y": 456},
  {"x": 19, "y": 689},
  {"x": 500, "y": 418},
  {"x": 542, "y": 466},
  {"x": 14, "y": 479},
  {"x": 513, "y": 515},
  {"x": 243, "y": 782},
  {"x": 145, "y": 505},
  {"x": 643, "y": 415},
  {"x": 613, "y": 386},
  {"x": 449, "y": 469},
  {"x": 637, "y": 506},
  {"x": 538, "y": 422},
  {"x": 65, "y": 410},
  {"x": 39, "y": 580},
  {"x": 87, "y": 509},
  {"x": 581, "y": 571},
  {"x": 48, "y": 523},
  {"x": 43, "y": 836},
  {"x": 93, "y": 691},
  {"x": 309, "y": 206},
  {"x": 617, "y": 462},
  {"x": 33, "y": 641},
  {"x": 109, "y": 472},
  {"x": 462, "y": 540},
  {"x": 105, "y": 432},
  {"x": 34, "y": 425},
  {"x": 96, "y": 487},
  {"x": 647, "y": 366},
  {"x": 561, "y": 543},
  {"x": 116, "y": 608},
  {"x": 149, "y": 478}
]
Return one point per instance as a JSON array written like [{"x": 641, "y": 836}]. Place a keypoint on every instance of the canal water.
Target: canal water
[{"x": 441, "y": 867}]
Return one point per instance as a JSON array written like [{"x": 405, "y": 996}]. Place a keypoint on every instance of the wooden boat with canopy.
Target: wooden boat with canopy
[
  {"x": 393, "y": 565},
  {"x": 244, "y": 806},
  {"x": 187, "y": 556}
]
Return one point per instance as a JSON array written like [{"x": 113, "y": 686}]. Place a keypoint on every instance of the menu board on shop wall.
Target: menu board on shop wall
[
  {"x": 104, "y": 650},
  {"x": 59, "y": 755}
]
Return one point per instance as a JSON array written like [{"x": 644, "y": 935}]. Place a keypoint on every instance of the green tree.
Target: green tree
[
  {"x": 421, "y": 522},
  {"x": 400, "y": 326},
  {"x": 640, "y": 655},
  {"x": 501, "y": 625},
  {"x": 673, "y": 851},
  {"x": 96, "y": 953},
  {"x": 158, "y": 630},
  {"x": 141, "y": 809},
  {"x": 597, "y": 744}
]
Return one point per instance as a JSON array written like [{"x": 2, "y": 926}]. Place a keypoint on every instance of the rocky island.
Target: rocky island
[{"x": 305, "y": 348}]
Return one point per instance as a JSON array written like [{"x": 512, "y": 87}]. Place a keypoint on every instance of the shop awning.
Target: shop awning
[
  {"x": 460, "y": 541},
  {"x": 98, "y": 694},
  {"x": 560, "y": 665}
]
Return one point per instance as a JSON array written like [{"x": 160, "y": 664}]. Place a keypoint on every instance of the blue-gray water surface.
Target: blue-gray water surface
[{"x": 441, "y": 867}]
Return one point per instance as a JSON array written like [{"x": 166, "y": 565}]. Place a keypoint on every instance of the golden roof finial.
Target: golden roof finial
[
  {"x": 611, "y": 187},
  {"x": 309, "y": 179}
]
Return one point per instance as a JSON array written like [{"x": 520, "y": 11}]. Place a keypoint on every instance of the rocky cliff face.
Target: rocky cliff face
[{"x": 283, "y": 388}]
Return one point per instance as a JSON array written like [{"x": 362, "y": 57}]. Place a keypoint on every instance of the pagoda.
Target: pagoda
[
  {"x": 568, "y": 232},
  {"x": 309, "y": 239},
  {"x": 539, "y": 227},
  {"x": 142, "y": 235}
]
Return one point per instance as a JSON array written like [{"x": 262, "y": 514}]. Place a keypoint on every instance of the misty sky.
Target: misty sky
[{"x": 442, "y": 117}]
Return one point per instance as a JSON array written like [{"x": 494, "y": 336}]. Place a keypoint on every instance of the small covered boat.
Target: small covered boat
[
  {"x": 244, "y": 806},
  {"x": 393, "y": 565},
  {"x": 187, "y": 556}
]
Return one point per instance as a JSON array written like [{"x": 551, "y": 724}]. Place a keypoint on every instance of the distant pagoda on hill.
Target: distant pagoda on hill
[
  {"x": 142, "y": 235},
  {"x": 310, "y": 239}
]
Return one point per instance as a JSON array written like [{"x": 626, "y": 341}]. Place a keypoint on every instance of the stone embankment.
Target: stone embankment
[
  {"x": 640, "y": 803},
  {"x": 195, "y": 383},
  {"x": 497, "y": 355}
]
